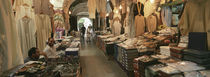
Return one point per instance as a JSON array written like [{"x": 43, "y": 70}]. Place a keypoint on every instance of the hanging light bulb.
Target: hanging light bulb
[
  {"x": 107, "y": 14},
  {"x": 120, "y": 7},
  {"x": 69, "y": 12},
  {"x": 117, "y": 11},
  {"x": 152, "y": 1}
]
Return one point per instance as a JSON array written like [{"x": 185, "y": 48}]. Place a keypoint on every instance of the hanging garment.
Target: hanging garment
[
  {"x": 91, "y": 8},
  {"x": 117, "y": 27},
  {"x": 43, "y": 7},
  {"x": 10, "y": 50},
  {"x": 18, "y": 3},
  {"x": 108, "y": 7},
  {"x": 43, "y": 25},
  {"x": 139, "y": 25},
  {"x": 166, "y": 16},
  {"x": 126, "y": 23},
  {"x": 26, "y": 31},
  {"x": 151, "y": 22},
  {"x": 101, "y": 7},
  {"x": 195, "y": 18},
  {"x": 150, "y": 8},
  {"x": 131, "y": 21}
]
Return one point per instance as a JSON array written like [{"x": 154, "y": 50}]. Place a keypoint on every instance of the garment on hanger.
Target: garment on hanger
[
  {"x": 117, "y": 26},
  {"x": 91, "y": 8},
  {"x": 26, "y": 31},
  {"x": 151, "y": 22},
  {"x": 139, "y": 25},
  {"x": 195, "y": 18},
  {"x": 10, "y": 51},
  {"x": 166, "y": 16},
  {"x": 139, "y": 22},
  {"x": 108, "y": 7},
  {"x": 101, "y": 6},
  {"x": 150, "y": 8},
  {"x": 131, "y": 22},
  {"x": 42, "y": 7},
  {"x": 126, "y": 23},
  {"x": 138, "y": 8},
  {"x": 43, "y": 30}
]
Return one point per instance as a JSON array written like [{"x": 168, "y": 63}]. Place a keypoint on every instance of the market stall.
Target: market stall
[{"x": 65, "y": 63}]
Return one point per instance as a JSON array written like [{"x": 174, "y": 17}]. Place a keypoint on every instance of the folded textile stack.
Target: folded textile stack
[
  {"x": 200, "y": 57},
  {"x": 119, "y": 51},
  {"x": 186, "y": 66},
  {"x": 127, "y": 58},
  {"x": 77, "y": 39},
  {"x": 183, "y": 41},
  {"x": 141, "y": 63},
  {"x": 177, "y": 52},
  {"x": 72, "y": 51},
  {"x": 169, "y": 71},
  {"x": 165, "y": 50},
  {"x": 74, "y": 44},
  {"x": 143, "y": 49},
  {"x": 168, "y": 31},
  {"x": 160, "y": 38},
  {"x": 160, "y": 57}
]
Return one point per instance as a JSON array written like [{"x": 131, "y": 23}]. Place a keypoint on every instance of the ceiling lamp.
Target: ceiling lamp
[
  {"x": 69, "y": 12},
  {"x": 120, "y": 7},
  {"x": 107, "y": 14},
  {"x": 152, "y": 1},
  {"x": 116, "y": 11}
]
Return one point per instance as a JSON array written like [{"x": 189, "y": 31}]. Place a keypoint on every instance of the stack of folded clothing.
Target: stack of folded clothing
[
  {"x": 177, "y": 52},
  {"x": 165, "y": 50},
  {"x": 128, "y": 56},
  {"x": 141, "y": 63},
  {"x": 200, "y": 57}
]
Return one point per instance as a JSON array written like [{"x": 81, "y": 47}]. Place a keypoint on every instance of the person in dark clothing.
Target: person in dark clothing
[
  {"x": 34, "y": 54},
  {"x": 83, "y": 31}
]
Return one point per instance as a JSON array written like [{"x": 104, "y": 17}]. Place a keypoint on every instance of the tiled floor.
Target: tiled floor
[{"x": 95, "y": 64}]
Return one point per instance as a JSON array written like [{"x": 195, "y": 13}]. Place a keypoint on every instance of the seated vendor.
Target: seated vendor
[
  {"x": 50, "y": 49},
  {"x": 34, "y": 54}
]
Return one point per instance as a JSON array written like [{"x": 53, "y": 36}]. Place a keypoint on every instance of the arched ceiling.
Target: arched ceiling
[{"x": 79, "y": 7}]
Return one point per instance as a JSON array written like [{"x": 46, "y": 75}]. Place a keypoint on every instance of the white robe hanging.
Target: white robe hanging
[
  {"x": 10, "y": 51},
  {"x": 26, "y": 31},
  {"x": 43, "y": 25}
]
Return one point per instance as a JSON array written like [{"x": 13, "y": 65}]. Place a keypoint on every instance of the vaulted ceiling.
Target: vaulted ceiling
[{"x": 79, "y": 7}]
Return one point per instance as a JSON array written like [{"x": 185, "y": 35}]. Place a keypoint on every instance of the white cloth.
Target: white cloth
[
  {"x": 151, "y": 22},
  {"x": 50, "y": 51},
  {"x": 117, "y": 28},
  {"x": 43, "y": 25},
  {"x": 166, "y": 15},
  {"x": 150, "y": 8},
  {"x": 26, "y": 31},
  {"x": 10, "y": 51}
]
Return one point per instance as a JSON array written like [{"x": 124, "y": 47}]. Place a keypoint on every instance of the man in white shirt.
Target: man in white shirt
[{"x": 50, "y": 49}]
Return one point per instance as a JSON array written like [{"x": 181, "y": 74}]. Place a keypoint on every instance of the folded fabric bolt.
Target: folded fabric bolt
[{"x": 72, "y": 49}]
